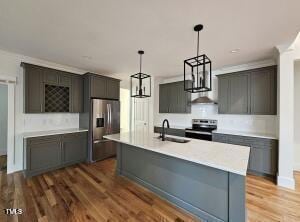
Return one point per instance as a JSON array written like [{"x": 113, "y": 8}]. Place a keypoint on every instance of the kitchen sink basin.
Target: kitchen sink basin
[{"x": 176, "y": 140}]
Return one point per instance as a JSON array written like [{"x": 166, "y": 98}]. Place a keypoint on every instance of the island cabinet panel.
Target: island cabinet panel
[
  {"x": 263, "y": 158},
  {"x": 201, "y": 190},
  {"x": 170, "y": 131},
  {"x": 45, "y": 153},
  {"x": 248, "y": 92},
  {"x": 173, "y": 98}
]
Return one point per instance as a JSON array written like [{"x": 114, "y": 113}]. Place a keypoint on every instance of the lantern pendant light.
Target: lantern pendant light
[
  {"x": 140, "y": 82},
  {"x": 198, "y": 70}
]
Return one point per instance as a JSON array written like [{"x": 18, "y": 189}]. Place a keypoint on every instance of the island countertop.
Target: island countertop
[{"x": 227, "y": 157}]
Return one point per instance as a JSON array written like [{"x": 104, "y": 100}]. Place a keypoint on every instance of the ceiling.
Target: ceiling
[{"x": 104, "y": 36}]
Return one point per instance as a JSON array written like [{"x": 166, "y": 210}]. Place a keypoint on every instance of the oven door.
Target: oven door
[{"x": 201, "y": 135}]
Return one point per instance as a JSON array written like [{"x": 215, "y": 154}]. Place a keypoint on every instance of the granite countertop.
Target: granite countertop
[
  {"x": 52, "y": 132},
  {"x": 227, "y": 157},
  {"x": 250, "y": 134}
]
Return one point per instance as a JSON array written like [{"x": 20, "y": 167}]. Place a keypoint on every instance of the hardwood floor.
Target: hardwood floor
[{"x": 94, "y": 193}]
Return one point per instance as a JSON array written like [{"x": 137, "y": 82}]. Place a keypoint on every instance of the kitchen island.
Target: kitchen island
[{"x": 205, "y": 178}]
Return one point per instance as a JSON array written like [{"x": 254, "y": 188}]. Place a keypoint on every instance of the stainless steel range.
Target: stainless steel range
[{"x": 201, "y": 129}]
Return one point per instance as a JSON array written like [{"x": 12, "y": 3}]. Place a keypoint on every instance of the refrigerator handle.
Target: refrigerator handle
[{"x": 110, "y": 122}]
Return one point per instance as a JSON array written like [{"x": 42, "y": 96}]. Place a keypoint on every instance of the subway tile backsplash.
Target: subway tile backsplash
[{"x": 51, "y": 121}]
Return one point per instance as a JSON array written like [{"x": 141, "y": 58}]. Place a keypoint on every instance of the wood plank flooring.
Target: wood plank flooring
[{"x": 94, "y": 193}]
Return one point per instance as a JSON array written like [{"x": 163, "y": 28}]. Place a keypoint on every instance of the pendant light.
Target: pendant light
[
  {"x": 140, "y": 82},
  {"x": 198, "y": 70}
]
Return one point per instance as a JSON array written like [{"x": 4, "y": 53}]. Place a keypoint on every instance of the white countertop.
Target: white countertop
[
  {"x": 250, "y": 134},
  {"x": 227, "y": 157},
  {"x": 52, "y": 132}
]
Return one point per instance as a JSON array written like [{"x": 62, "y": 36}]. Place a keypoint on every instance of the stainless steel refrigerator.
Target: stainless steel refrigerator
[{"x": 105, "y": 120}]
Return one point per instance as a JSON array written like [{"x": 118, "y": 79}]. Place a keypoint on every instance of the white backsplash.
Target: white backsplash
[
  {"x": 55, "y": 121},
  {"x": 246, "y": 123}
]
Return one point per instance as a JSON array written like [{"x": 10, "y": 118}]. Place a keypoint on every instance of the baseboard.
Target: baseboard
[
  {"x": 286, "y": 182},
  {"x": 297, "y": 167}
]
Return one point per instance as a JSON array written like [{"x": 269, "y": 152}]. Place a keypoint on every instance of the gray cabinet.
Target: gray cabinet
[
  {"x": 74, "y": 148},
  {"x": 164, "y": 98},
  {"x": 112, "y": 88},
  {"x": 41, "y": 84},
  {"x": 239, "y": 94},
  {"x": 263, "y": 91},
  {"x": 45, "y": 153},
  {"x": 223, "y": 89},
  {"x": 171, "y": 131},
  {"x": 263, "y": 158},
  {"x": 173, "y": 98},
  {"x": 101, "y": 87},
  {"x": 248, "y": 92},
  {"x": 77, "y": 94},
  {"x": 33, "y": 89}
]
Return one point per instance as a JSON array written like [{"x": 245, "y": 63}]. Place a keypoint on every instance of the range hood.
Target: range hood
[{"x": 203, "y": 100}]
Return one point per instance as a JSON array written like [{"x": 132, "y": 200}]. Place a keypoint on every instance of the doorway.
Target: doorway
[
  {"x": 141, "y": 115},
  {"x": 3, "y": 126}
]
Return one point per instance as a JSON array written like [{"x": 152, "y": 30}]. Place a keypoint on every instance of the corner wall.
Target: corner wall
[
  {"x": 297, "y": 116},
  {"x": 3, "y": 119},
  {"x": 10, "y": 66}
]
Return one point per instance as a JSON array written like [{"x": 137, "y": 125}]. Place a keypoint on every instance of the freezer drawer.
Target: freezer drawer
[{"x": 103, "y": 149}]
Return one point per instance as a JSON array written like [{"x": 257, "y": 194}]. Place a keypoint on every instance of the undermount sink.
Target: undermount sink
[{"x": 176, "y": 140}]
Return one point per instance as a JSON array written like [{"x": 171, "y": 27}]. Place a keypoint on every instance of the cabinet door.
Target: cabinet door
[
  {"x": 51, "y": 76},
  {"x": 263, "y": 91},
  {"x": 223, "y": 94},
  {"x": 43, "y": 155},
  {"x": 263, "y": 160},
  {"x": 183, "y": 98},
  {"x": 113, "y": 89},
  {"x": 98, "y": 87},
  {"x": 173, "y": 97},
  {"x": 65, "y": 79},
  {"x": 77, "y": 94},
  {"x": 164, "y": 98},
  {"x": 239, "y": 94},
  {"x": 34, "y": 89},
  {"x": 74, "y": 148}
]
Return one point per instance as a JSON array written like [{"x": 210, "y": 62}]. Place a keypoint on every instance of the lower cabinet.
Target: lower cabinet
[
  {"x": 45, "y": 153},
  {"x": 74, "y": 148},
  {"x": 263, "y": 153}
]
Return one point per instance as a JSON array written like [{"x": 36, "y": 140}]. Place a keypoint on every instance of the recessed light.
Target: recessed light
[
  {"x": 235, "y": 50},
  {"x": 87, "y": 57}
]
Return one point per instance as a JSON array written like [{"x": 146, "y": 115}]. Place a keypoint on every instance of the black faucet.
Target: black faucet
[{"x": 163, "y": 133}]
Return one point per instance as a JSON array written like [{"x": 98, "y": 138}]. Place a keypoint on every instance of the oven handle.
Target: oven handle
[{"x": 198, "y": 132}]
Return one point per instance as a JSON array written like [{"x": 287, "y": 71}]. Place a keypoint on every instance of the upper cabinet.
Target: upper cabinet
[
  {"x": 173, "y": 98},
  {"x": 248, "y": 92},
  {"x": 50, "y": 90},
  {"x": 101, "y": 87}
]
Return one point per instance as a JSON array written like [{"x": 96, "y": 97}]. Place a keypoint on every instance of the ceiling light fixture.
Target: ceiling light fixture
[
  {"x": 197, "y": 69},
  {"x": 140, "y": 82},
  {"x": 235, "y": 50}
]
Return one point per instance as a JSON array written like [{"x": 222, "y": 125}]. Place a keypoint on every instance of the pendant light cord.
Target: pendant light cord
[
  {"x": 140, "y": 63},
  {"x": 197, "y": 44}
]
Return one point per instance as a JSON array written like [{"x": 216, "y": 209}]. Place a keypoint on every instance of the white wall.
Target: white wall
[
  {"x": 247, "y": 123},
  {"x": 3, "y": 119},
  {"x": 297, "y": 116},
  {"x": 10, "y": 66},
  {"x": 125, "y": 110}
]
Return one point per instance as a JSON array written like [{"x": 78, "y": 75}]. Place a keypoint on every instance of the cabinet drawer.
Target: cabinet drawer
[{"x": 42, "y": 139}]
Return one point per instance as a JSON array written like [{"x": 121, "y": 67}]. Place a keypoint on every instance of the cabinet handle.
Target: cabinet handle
[{"x": 41, "y": 107}]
